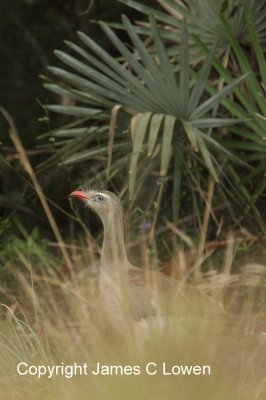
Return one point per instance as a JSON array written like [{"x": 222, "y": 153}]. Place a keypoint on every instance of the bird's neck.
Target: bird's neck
[{"x": 114, "y": 255}]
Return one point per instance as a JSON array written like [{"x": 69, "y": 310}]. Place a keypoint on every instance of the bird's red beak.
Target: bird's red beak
[{"x": 79, "y": 194}]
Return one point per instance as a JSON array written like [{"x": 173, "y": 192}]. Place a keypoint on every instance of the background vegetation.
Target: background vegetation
[
  {"x": 162, "y": 102},
  {"x": 170, "y": 114}
]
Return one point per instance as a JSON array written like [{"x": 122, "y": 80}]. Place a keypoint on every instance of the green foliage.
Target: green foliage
[
  {"x": 180, "y": 112},
  {"x": 204, "y": 19},
  {"x": 13, "y": 246},
  {"x": 251, "y": 107}
]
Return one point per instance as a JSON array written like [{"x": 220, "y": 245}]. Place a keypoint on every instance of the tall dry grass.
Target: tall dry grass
[{"x": 219, "y": 322}]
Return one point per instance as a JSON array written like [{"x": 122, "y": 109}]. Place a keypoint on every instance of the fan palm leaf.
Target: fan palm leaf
[{"x": 150, "y": 85}]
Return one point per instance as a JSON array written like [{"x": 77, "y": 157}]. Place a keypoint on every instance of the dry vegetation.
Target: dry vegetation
[
  {"x": 52, "y": 315},
  {"x": 55, "y": 320}
]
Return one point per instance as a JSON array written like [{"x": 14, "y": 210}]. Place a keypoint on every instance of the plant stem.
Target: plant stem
[{"x": 28, "y": 168}]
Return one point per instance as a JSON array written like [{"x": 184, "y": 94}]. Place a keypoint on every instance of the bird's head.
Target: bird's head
[{"x": 105, "y": 204}]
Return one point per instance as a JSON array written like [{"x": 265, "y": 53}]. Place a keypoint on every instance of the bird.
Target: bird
[{"x": 119, "y": 279}]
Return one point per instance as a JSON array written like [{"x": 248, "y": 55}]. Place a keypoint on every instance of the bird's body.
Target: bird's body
[{"x": 140, "y": 289}]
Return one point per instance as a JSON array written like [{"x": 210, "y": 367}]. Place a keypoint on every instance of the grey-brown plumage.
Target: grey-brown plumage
[{"x": 120, "y": 282}]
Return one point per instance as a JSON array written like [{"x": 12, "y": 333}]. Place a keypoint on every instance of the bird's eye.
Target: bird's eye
[{"x": 99, "y": 198}]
